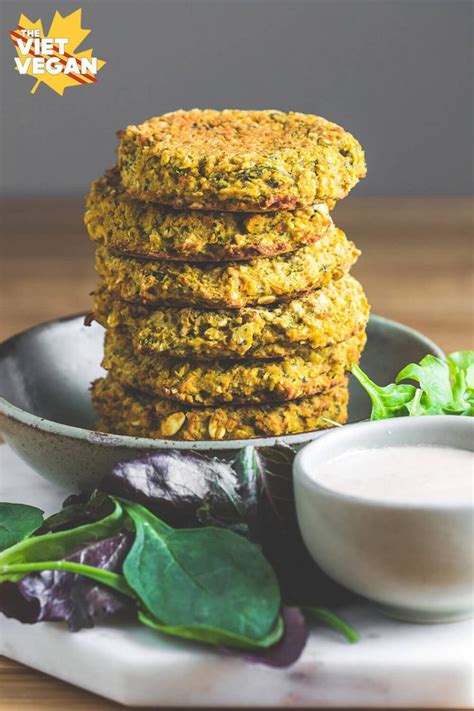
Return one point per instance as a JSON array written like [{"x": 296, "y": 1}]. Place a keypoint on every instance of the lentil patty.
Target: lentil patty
[
  {"x": 321, "y": 318},
  {"x": 125, "y": 411},
  {"x": 239, "y": 160},
  {"x": 232, "y": 284},
  {"x": 158, "y": 232},
  {"x": 217, "y": 382}
]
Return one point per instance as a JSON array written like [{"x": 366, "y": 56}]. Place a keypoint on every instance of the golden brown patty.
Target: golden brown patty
[
  {"x": 159, "y": 232},
  {"x": 239, "y": 160},
  {"x": 232, "y": 284},
  {"x": 229, "y": 381},
  {"x": 318, "y": 319},
  {"x": 125, "y": 411}
]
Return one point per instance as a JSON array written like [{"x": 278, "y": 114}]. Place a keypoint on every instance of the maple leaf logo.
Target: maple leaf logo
[{"x": 68, "y": 27}]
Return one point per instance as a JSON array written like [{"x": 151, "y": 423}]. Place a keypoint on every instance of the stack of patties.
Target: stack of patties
[{"x": 225, "y": 289}]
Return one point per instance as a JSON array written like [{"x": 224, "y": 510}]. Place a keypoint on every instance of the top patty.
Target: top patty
[
  {"x": 159, "y": 232},
  {"x": 239, "y": 160},
  {"x": 231, "y": 284},
  {"x": 321, "y": 318}
]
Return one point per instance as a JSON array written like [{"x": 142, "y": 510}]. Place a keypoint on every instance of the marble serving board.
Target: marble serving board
[{"x": 394, "y": 665}]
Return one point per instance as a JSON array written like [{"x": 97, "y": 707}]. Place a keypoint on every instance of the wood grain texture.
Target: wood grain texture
[{"x": 416, "y": 267}]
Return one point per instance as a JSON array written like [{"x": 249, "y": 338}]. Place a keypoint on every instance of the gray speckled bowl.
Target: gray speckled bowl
[{"x": 47, "y": 418}]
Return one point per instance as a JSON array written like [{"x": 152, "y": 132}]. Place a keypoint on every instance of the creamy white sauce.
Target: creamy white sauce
[{"x": 410, "y": 474}]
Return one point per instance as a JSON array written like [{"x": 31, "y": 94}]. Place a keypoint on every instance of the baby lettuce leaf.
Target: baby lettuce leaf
[
  {"x": 388, "y": 401},
  {"x": 433, "y": 376},
  {"x": 17, "y": 521},
  {"x": 463, "y": 361},
  {"x": 54, "y": 595},
  {"x": 185, "y": 489},
  {"x": 210, "y": 580},
  {"x": 56, "y": 546},
  {"x": 446, "y": 387},
  {"x": 461, "y": 367}
]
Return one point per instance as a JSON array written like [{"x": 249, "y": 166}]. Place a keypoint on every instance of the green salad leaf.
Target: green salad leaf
[
  {"x": 56, "y": 546},
  {"x": 17, "y": 521},
  {"x": 388, "y": 401},
  {"x": 208, "y": 584},
  {"x": 444, "y": 387},
  {"x": 216, "y": 636},
  {"x": 329, "y": 618},
  {"x": 12, "y": 571},
  {"x": 432, "y": 374},
  {"x": 76, "y": 590},
  {"x": 461, "y": 368}
]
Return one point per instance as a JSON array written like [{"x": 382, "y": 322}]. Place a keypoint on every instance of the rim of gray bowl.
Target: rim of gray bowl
[{"x": 116, "y": 440}]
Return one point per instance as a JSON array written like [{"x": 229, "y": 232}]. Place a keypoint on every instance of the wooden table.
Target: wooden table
[{"x": 416, "y": 267}]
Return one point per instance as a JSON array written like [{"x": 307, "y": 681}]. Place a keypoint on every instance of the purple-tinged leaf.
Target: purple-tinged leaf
[
  {"x": 290, "y": 647},
  {"x": 249, "y": 470},
  {"x": 185, "y": 489},
  {"x": 58, "y": 595},
  {"x": 78, "y": 510},
  {"x": 302, "y": 582}
]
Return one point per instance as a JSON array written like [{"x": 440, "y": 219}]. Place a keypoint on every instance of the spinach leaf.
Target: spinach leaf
[
  {"x": 290, "y": 646},
  {"x": 215, "y": 636},
  {"x": 59, "y": 594},
  {"x": 56, "y": 546},
  {"x": 209, "y": 580},
  {"x": 17, "y": 521}
]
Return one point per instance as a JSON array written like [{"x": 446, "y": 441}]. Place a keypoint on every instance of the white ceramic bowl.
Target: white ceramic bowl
[{"x": 414, "y": 561}]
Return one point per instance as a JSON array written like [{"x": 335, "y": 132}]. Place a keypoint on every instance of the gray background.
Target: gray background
[{"x": 395, "y": 73}]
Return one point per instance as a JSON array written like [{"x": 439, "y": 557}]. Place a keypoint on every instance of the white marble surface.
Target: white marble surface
[{"x": 394, "y": 665}]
